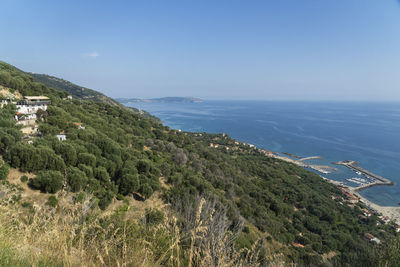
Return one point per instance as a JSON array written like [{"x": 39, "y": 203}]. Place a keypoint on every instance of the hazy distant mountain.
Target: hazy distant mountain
[{"x": 160, "y": 100}]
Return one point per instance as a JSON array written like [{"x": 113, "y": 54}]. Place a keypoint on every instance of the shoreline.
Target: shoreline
[{"x": 392, "y": 212}]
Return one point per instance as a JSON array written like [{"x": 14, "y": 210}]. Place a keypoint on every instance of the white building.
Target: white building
[
  {"x": 31, "y": 104},
  {"x": 61, "y": 137}
]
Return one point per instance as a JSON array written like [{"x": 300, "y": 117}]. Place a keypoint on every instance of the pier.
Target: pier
[
  {"x": 376, "y": 179},
  {"x": 310, "y": 158},
  {"x": 325, "y": 169}
]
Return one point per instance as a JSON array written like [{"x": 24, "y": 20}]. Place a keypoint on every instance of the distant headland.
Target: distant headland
[{"x": 160, "y": 100}]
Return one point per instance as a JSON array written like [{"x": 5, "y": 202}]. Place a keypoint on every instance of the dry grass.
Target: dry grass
[
  {"x": 75, "y": 235},
  {"x": 71, "y": 236}
]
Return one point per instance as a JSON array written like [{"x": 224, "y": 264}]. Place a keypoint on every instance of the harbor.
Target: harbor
[
  {"x": 372, "y": 179},
  {"x": 364, "y": 179}
]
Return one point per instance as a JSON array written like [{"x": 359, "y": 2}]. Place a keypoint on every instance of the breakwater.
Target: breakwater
[{"x": 376, "y": 179}]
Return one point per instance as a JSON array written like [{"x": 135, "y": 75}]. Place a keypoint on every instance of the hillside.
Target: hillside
[
  {"x": 75, "y": 90},
  {"x": 79, "y": 92},
  {"x": 216, "y": 200}
]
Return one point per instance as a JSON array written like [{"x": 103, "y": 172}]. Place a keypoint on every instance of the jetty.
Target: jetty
[
  {"x": 376, "y": 179},
  {"x": 325, "y": 169},
  {"x": 310, "y": 158}
]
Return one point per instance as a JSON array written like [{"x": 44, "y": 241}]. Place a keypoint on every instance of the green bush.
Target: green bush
[
  {"x": 24, "y": 178},
  {"x": 80, "y": 197},
  {"x": 48, "y": 181},
  {"x": 146, "y": 191},
  {"x": 52, "y": 201},
  {"x": 4, "y": 170},
  {"x": 76, "y": 178}
]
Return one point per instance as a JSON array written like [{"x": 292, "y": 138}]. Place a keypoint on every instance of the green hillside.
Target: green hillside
[
  {"x": 75, "y": 90},
  {"x": 79, "y": 92},
  {"x": 123, "y": 156}
]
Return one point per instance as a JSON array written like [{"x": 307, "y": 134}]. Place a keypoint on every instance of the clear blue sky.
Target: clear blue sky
[{"x": 281, "y": 49}]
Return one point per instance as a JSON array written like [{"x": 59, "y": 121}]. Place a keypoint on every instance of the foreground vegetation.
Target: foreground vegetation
[
  {"x": 73, "y": 234},
  {"x": 260, "y": 202}
]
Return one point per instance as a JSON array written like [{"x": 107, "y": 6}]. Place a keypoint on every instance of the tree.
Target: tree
[
  {"x": 143, "y": 166},
  {"x": 128, "y": 184},
  {"x": 48, "y": 181},
  {"x": 4, "y": 169},
  {"x": 87, "y": 159},
  {"x": 76, "y": 178},
  {"x": 68, "y": 153},
  {"x": 146, "y": 190},
  {"x": 101, "y": 174},
  {"x": 180, "y": 157}
]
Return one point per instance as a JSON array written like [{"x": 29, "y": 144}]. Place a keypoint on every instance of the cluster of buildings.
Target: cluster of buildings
[
  {"x": 28, "y": 111},
  {"x": 352, "y": 199}
]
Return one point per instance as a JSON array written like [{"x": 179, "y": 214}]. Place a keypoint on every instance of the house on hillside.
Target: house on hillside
[
  {"x": 25, "y": 119},
  {"x": 79, "y": 125},
  {"x": 61, "y": 137},
  {"x": 28, "y": 107},
  {"x": 372, "y": 238},
  {"x": 31, "y": 104}
]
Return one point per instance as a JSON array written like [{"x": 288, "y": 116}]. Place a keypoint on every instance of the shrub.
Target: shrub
[
  {"x": 48, "y": 181},
  {"x": 4, "y": 170},
  {"x": 128, "y": 184},
  {"x": 24, "y": 178},
  {"x": 180, "y": 157},
  {"x": 80, "y": 198},
  {"x": 76, "y": 178},
  {"x": 146, "y": 190},
  {"x": 52, "y": 201}
]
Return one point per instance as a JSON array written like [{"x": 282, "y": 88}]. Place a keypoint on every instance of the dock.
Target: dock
[
  {"x": 310, "y": 158},
  {"x": 325, "y": 169},
  {"x": 376, "y": 179}
]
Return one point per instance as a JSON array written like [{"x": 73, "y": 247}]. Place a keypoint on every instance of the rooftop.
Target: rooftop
[{"x": 31, "y": 98}]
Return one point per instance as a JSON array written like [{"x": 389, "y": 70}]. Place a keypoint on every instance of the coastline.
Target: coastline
[{"x": 390, "y": 211}]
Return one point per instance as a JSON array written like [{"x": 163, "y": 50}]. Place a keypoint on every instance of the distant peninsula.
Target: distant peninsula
[{"x": 160, "y": 100}]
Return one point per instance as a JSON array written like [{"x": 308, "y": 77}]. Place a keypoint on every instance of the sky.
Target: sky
[{"x": 220, "y": 49}]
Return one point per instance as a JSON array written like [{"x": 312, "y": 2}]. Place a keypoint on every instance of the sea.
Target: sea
[{"x": 366, "y": 132}]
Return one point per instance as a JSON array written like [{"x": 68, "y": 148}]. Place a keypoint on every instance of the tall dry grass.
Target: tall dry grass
[{"x": 74, "y": 235}]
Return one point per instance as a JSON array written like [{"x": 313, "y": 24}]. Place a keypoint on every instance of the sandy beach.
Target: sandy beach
[{"x": 390, "y": 211}]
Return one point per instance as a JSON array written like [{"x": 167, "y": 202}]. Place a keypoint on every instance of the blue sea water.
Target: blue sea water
[{"x": 365, "y": 132}]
